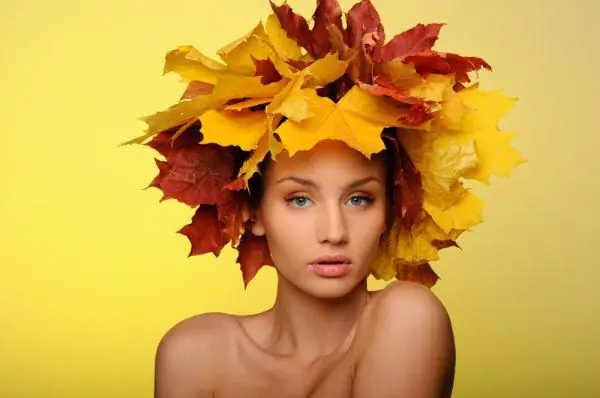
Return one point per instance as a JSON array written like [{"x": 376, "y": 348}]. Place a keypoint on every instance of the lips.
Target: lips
[
  {"x": 331, "y": 260},
  {"x": 331, "y": 266}
]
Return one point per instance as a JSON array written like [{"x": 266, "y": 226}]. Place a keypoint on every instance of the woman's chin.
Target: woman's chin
[{"x": 329, "y": 288}]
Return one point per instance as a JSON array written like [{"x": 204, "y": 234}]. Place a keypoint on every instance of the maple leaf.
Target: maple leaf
[
  {"x": 244, "y": 87},
  {"x": 384, "y": 87},
  {"x": 452, "y": 111},
  {"x": 267, "y": 71},
  {"x": 205, "y": 232},
  {"x": 357, "y": 119},
  {"x": 196, "y": 88},
  {"x": 416, "y": 40},
  {"x": 253, "y": 254},
  {"x": 315, "y": 41},
  {"x": 191, "y": 65},
  {"x": 234, "y": 210},
  {"x": 463, "y": 214},
  {"x": 401, "y": 76},
  {"x": 195, "y": 174},
  {"x": 328, "y": 13},
  {"x": 421, "y": 273},
  {"x": 432, "y": 88},
  {"x": 447, "y": 63},
  {"x": 239, "y": 55},
  {"x": 284, "y": 46},
  {"x": 481, "y": 126},
  {"x": 182, "y": 113},
  {"x": 408, "y": 197},
  {"x": 415, "y": 245},
  {"x": 167, "y": 144},
  {"x": 240, "y": 128},
  {"x": 442, "y": 161},
  {"x": 250, "y": 166},
  {"x": 364, "y": 34},
  {"x": 416, "y": 115},
  {"x": 294, "y": 100},
  {"x": 363, "y": 20}
]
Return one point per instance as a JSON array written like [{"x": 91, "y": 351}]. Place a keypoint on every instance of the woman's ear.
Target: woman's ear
[{"x": 257, "y": 227}]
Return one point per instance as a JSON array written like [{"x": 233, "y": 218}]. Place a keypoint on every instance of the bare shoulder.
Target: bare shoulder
[
  {"x": 408, "y": 303},
  {"x": 405, "y": 345},
  {"x": 190, "y": 356}
]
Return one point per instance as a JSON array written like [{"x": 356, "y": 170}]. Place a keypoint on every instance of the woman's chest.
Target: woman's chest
[{"x": 259, "y": 376}]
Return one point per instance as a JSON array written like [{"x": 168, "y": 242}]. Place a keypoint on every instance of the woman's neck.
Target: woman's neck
[{"x": 308, "y": 327}]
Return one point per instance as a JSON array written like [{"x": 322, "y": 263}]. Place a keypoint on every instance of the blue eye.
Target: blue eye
[
  {"x": 359, "y": 200},
  {"x": 298, "y": 201}
]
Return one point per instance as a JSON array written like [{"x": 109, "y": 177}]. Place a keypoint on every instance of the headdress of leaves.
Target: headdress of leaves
[{"x": 287, "y": 86}]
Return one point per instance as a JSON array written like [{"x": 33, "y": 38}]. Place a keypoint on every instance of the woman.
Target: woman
[
  {"x": 331, "y": 155},
  {"x": 323, "y": 213}
]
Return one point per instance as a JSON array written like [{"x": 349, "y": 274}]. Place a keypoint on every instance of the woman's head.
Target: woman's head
[{"x": 329, "y": 201}]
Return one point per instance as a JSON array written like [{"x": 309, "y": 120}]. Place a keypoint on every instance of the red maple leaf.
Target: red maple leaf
[
  {"x": 416, "y": 40},
  {"x": 266, "y": 69},
  {"x": 417, "y": 114},
  {"x": 408, "y": 191},
  {"x": 234, "y": 209},
  {"x": 253, "y": 255},
  {"x": 364, "y": 34},
  {"x": 363, "y": 20},
  {"x": 315, "y": 41},
  {"x": 382, "y": 86},
  {"x": 328, "y": 12},
  {"x": 422, "y": 274},
  {"x": 205, "y": 232},
  {"x": 447, "y": 63},
  {"x": 193, "y": 173}
]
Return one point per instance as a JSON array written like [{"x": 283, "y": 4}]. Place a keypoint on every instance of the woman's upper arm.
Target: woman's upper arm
[
  {"x": 187, "y": 359},
  {"x": 407, "y": 347}
]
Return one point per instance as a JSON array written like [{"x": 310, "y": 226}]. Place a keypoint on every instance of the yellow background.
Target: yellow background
[{"x": 93, "y": 272}]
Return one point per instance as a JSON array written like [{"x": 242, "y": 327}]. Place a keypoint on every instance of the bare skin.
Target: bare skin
[{"x": 325, "y": 336}]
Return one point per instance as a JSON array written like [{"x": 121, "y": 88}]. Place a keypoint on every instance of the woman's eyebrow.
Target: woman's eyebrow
[{"x": 311, "y": 183}]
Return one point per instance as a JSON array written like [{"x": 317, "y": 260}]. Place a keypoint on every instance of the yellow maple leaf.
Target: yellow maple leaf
[
  {"x": 415, "y": 245},
  {"x": 464, "y": 214},
  {"x": 250, "y": 166},
  {"x": 238, "y": 54},
  {"x": 243, "y": 87},
  {"x": 357, "y": 119},
  {"x": 267, "y": 143},
  {"x": 240, "y": 128},
  {"x": 179, "y": 114},
  {"x": 442, "y": 160},
  {"x": 190, "y": 64},
  {"x": 325, "y": 70},
  {"x": 453, "y": 110},
  {"x": 432, "y": 88},
  {"x": 283, "y": 45},
  {"x": 402, "y": 76},
  {"x": 382, "y": 266},
  {"x": 493, "y": 146},
  {"x": 295, "y": 99}
]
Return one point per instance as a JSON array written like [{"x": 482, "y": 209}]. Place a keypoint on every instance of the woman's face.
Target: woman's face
[{"x": 323, "y": 212}]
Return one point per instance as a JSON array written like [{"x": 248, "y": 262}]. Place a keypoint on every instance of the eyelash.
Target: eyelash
[{"x": 290, "y": 199}]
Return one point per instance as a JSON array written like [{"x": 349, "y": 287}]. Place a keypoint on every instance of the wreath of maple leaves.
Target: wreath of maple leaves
[{"x": 206, "y": 176}]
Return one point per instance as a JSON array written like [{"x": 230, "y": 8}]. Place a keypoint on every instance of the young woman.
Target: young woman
[
  {"x": 323, "y": 213},
  {"x": 332, "y": 155}
]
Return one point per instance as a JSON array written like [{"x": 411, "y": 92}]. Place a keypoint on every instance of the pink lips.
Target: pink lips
[{"x": 331, "y": 266}]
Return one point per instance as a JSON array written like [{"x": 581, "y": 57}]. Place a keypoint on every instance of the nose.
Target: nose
[{"x": 332, "y": 225}]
